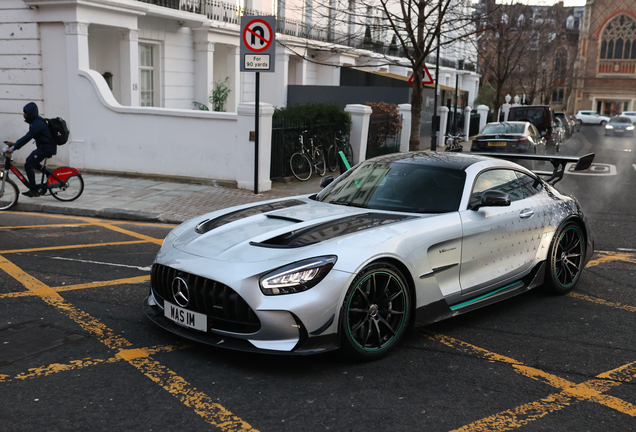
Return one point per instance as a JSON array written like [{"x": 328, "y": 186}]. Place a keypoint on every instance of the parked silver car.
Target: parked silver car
[{"x": 398, "y": 239}]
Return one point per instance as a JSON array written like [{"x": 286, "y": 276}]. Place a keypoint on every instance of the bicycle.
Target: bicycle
[
  {"x": 64, "y": 183},
  {"x": 453, "y": 143},
  {"x": 333, "y": 157},
  {"x": 304, "y": 162}
]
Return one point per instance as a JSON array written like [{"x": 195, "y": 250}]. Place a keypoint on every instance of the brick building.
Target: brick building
[{"x": 605, "y": 69}]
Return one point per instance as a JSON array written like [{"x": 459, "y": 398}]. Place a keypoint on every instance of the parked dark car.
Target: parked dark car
[
  {"x": 567, "y": 125},
  {"x": 620, "y": 126},
  {"x": 509, "y": 137},
  {"x": 541, "y": 116}
]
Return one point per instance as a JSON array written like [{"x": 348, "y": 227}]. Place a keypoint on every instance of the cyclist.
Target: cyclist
[{"x": 46, "y": 146}]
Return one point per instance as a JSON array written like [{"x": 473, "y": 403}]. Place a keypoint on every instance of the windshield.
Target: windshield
[
  {"x": 504, "y": 128},
  {"x": 620, "y": 120},
  {"x": 398, "y": 186}
]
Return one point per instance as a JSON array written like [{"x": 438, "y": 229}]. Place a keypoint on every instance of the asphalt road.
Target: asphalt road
[{"x": 77, "y": 353}]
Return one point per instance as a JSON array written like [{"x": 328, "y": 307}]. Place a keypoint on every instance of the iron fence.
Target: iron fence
[
  {"x": 286, "y": 141},
  {"x": 385, "y": 132}
]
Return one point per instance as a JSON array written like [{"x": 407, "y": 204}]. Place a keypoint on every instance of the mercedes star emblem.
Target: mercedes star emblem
[{"x": 180, "y": 291}]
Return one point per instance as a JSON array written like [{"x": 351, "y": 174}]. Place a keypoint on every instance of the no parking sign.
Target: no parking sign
[{"x": 258, "y": 43}]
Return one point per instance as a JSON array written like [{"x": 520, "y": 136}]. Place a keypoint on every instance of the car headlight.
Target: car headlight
[
  {"x": 297, "y": 277},
  {"x": 609, "y": 127},
  {"x": 630, "y": 127}
]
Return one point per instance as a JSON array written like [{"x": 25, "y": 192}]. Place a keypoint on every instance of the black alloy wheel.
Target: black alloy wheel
[
  {"x": 566, "y": 259},
  {"x": 375, "y": 312}
]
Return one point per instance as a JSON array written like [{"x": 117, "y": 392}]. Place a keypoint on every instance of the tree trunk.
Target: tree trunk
[{"x": 416, "y": 111}]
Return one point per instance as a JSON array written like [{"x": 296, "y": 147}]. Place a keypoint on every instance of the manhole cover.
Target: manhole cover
[{"x": 24, "y": 340}]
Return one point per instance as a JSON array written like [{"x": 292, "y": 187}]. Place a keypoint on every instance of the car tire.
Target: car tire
[
  {"x": 579, "y": 122},
  {"x": 375, "y": 313},
  {"x": 565, "y": 259},
  {"x": 603, "y": 122}
]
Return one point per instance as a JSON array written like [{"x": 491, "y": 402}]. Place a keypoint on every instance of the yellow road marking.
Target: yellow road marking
[
  {"x": 64, "y": 288},
  {"x": 89, "y": 220},
  {"x": 571, "y": 392},
  {"x": 112, "y": 227},
  {"x": 4, "y": 252},
  {"x": 605, "y": 257},
  {"x": 602, "y": 302},
  {"x": 212, "y": 412},
  {"x": 84, "y": 363},
  {"x": 46, "y": 226}
]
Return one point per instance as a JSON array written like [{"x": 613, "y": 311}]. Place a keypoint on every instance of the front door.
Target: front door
[{"x": 500, "y": 243}]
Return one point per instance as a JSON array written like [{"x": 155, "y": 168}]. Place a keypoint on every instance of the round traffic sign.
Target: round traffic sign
[{"x": 257, "y": 35}]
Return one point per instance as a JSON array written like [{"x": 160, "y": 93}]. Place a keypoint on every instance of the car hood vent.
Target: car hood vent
[
  {"x": 332, "y": 229},
  {"x": 210, "y": 224}
]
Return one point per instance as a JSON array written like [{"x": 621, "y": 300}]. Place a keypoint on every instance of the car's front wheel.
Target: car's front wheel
[
  {"x": 375, "y": 313},
  {"x": 603, "y": 122},
  {"x": 565, "y": 259}
]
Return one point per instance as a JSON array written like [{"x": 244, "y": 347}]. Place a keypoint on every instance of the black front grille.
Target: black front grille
[{"x": 226, "y": 310}]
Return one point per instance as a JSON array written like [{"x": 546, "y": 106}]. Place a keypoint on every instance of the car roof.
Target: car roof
[{"x": 458, "y": 161}]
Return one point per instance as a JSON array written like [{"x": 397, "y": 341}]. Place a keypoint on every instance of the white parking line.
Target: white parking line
[
  {"x": 626, "y": 249},
  {"x": 634, "y": 166},
  {"x": 104, "y": 263}
]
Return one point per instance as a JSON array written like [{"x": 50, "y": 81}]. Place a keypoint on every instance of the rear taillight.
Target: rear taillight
[{"x": 522, "y": 140}]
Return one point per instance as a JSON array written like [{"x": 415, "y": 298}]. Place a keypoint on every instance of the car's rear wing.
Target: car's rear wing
[{"x": 558, "y": 162}]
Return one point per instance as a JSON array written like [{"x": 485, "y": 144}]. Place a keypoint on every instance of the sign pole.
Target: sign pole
[
  {"x": 258, "y": 54},
  {"x": 256, "y": 121}
]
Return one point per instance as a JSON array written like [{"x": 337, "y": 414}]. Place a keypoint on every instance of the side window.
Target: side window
[
  {"x": 533, "y": 130},
  {"x": 529, "y": 185},
  {"x": 499, "y": 179}
]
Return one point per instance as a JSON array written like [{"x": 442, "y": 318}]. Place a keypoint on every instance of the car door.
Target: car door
[{"x": 499, "y": 243}]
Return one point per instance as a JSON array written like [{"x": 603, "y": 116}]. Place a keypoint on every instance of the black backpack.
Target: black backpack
[{"x": 58, "y": 129}]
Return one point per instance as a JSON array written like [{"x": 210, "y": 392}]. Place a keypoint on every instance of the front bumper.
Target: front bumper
[{"x": 302, "y": 345}]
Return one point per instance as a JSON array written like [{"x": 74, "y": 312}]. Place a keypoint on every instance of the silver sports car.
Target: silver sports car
[{"x": 402, "y": 239}]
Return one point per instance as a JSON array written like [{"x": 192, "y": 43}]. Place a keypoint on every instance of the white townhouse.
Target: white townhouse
[{"x": 125, "y": 74}]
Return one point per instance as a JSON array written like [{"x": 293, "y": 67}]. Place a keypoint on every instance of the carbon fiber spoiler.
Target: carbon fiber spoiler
[{"x": 558, "y": 162}]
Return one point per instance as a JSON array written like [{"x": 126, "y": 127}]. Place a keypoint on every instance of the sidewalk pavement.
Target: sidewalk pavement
[{"x": 156, "y": 200}]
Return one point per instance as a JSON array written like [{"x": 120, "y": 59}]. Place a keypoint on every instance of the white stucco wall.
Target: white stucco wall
[
  {"x": 20, "y": 67},
  {"x": 150, "y": 140}
]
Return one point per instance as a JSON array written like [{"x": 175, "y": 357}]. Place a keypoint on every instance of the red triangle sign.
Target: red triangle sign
[{"x": 427, "y": 77}]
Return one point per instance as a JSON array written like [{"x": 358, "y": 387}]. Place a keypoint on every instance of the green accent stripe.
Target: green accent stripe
[{"x": 461, "y": 305}]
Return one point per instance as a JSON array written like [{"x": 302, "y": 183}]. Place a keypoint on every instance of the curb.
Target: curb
[{"x": 107, "y": 213}]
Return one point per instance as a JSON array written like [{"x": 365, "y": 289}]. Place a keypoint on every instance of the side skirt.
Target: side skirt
[{"x": 440, "y": 310}]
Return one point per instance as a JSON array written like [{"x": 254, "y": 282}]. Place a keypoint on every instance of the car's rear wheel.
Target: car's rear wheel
[
  {"x": 375, "y": 313},
  {"x": 565, "y": 259}
]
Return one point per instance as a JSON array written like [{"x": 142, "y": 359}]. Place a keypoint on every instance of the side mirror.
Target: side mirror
[
  {"x": 326, "y": 181},
  {"x": 493, "y": 198}
]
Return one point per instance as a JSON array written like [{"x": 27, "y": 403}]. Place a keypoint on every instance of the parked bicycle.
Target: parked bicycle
[
  {"x": 64, "y": 183},
  {"x": 333, "y": 156},
  {"x": 453, "y": 143},
  {"x": 307, "y": 160}
]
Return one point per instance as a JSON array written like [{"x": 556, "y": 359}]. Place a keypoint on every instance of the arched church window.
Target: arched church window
[
  {"x": 561, "y": 63},
  {"x": 617, "y": 41}
]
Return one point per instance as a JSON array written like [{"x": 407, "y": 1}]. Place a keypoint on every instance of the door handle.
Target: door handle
[{"x": 526, "y": 213}]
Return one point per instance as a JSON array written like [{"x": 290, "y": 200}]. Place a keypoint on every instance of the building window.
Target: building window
[
  {"x": 146, "y": 75},
  {"x": 618, "y": 39},
  {"x": 561, "y": 63},
  {"x": 557, "y": 95}
]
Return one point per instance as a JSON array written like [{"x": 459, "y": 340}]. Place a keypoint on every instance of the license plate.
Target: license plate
[
  {"x": 497, "y": 144},
  {"x": 184, "y": 317},
  {"x": 618, "y": 131}
]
